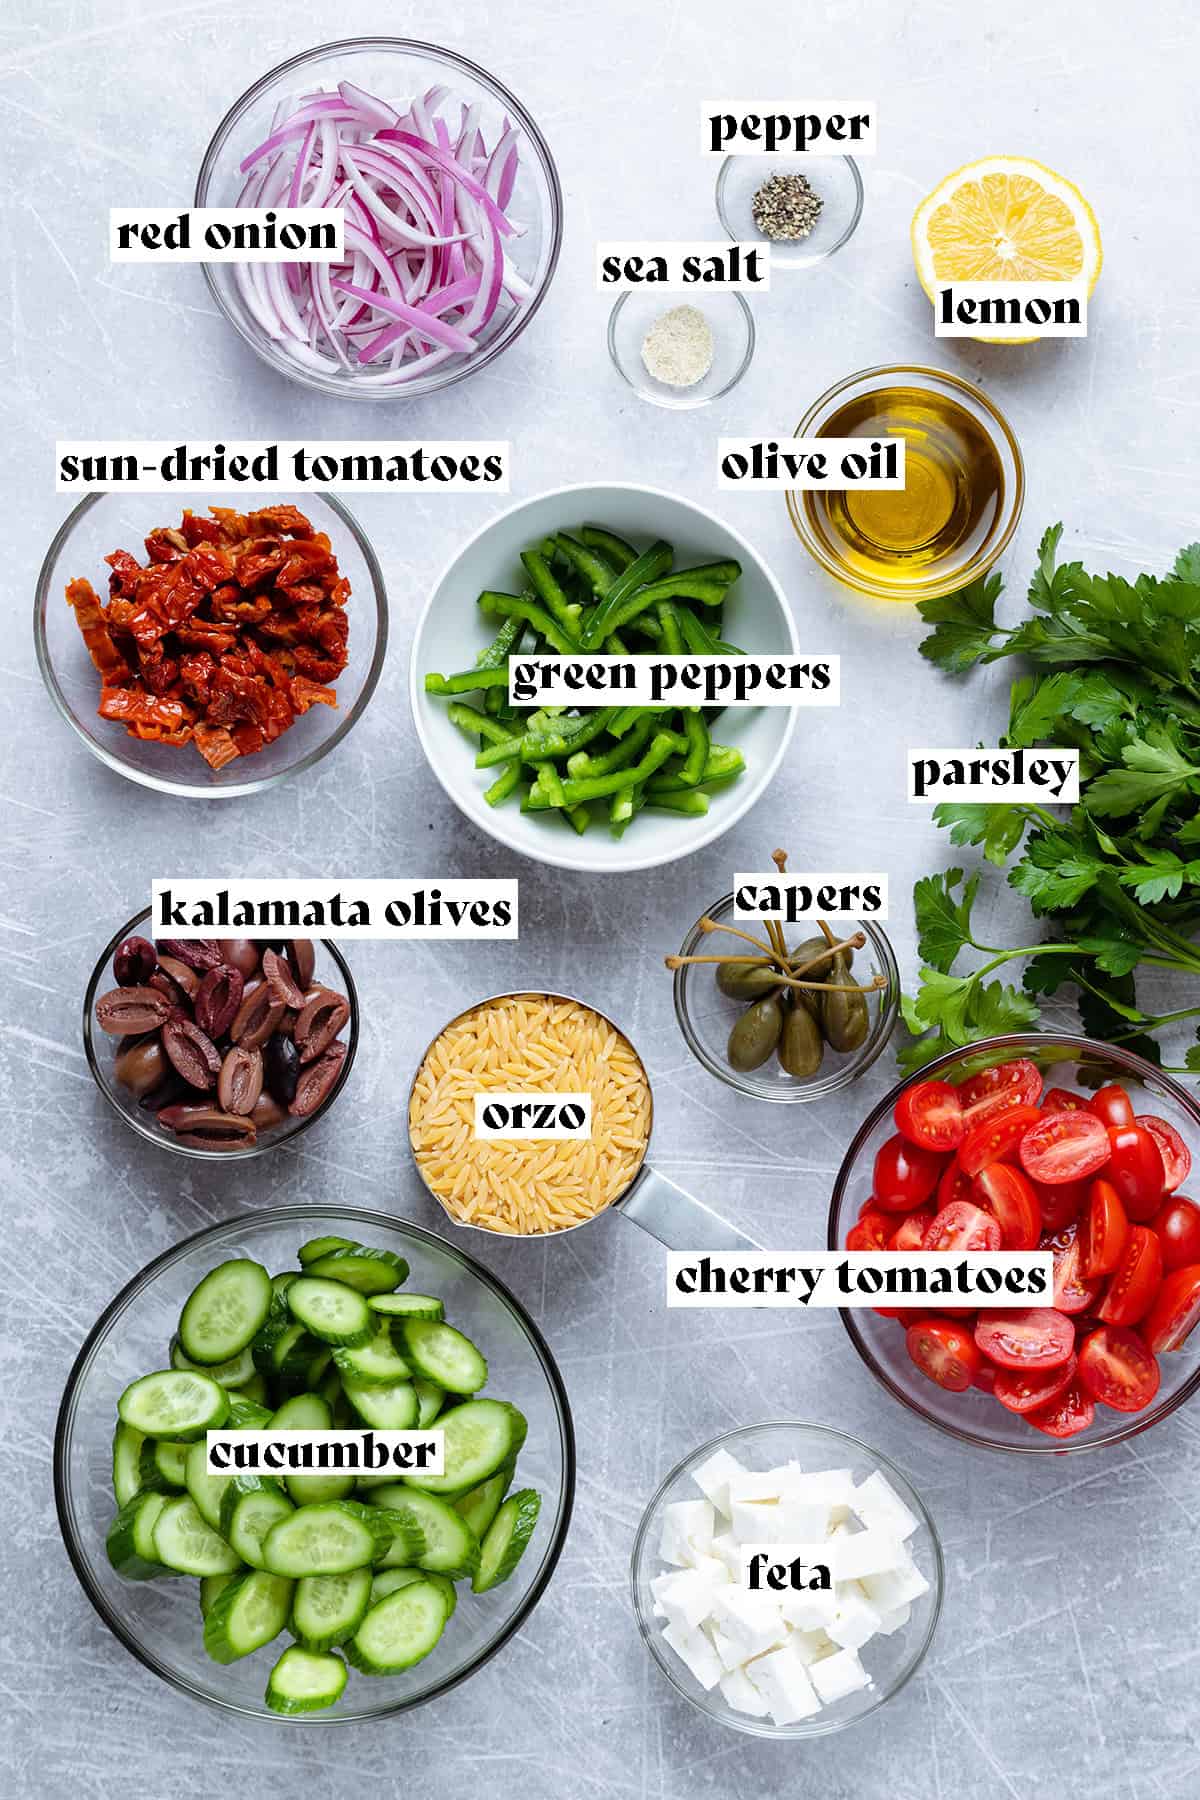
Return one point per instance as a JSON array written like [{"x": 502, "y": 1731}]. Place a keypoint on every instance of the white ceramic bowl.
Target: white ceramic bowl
[{"x": 451, "y": 632}]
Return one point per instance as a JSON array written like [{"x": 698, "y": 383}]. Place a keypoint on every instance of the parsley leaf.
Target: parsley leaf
[
  {"x": 1155, "y": 766},
  {"x": 1187, "y": 568},
  {"x": 943, "y": 922},
  {"x": 996, "y": 827},
  {"x": 964, "y": 623}
]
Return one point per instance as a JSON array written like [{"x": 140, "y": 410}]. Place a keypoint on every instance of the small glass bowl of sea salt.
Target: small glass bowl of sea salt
[
  {"x": 802, "y": 1661},
  {"x": 680, "y": 345}
]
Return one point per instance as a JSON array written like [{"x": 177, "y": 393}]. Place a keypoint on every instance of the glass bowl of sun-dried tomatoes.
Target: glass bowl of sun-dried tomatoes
[{"x": 210, "y": 651}]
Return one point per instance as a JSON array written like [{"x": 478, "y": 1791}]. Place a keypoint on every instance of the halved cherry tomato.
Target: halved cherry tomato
[
  {"x": 1135, "y": 1281},
  {"x": 1073, "y": 1411},
  {"x": 1009, "y": 1197},
  {"x": 1111, "y": 1105},
  {"x": 1064, "y": 1146},
  {"x": 910, "y": 1233},
  {"x": 872, "y": 1231},
  {"x": 905, "y": 1175},
  {"x": 985, "y": 1378},
  {"x": 1176, "y": 1157},
  {"x": 1023, "y": 1389},
  {"x": 929, "y": 1113},
  {"x": 961, "y": 1226},
  {"x": 953, "y": 1184},
  {"x": 1061, "y": 1203},
  {"x": 1175, "y": 1311},
  {"x": 944, "y": 1352},
  {"x": 995, "y": 1138},
  {"x": 1176, "y": 1225},
  {"x": 1032, "y": 1337},
  {"x": 1116, "y": 1368},
  {"x": 1058, "y": 1099},
  {"x": 993, "y": 1091},
  {"x": 1135, "y": 1168},
  {"x": 1072, "y": 1294},
  {"x": 1103, "y": 1232}
]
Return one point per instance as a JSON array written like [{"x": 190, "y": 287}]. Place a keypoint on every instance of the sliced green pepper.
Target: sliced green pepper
[
  {"x": 547, "y": 590},
  {"x": 477, "y": 724},
  {"x": 596, "y": 537},
  {"x": 520, "y": 606},
  {"x": 595, "y": 569},
  {"x": 466, "y": 682},
  {"x": 646, "y": 568},
  {"x": 696, "y": 757},
  {"x": 507, "y": 782}
]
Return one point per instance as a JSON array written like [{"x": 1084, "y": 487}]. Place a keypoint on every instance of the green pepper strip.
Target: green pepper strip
[
  {"x": 548, "y": 743},
  {"x": 477, "y": 724},
  {"x": 500, "y": 789},
  {"x": 696, "y": 758},
  {"x": 466, "y": 682},
  {"x": 630, "y": 747},
  {"x": 722, "y": 764},
  {"x": 497, "y": 653},
  {"x": 578, "y": 816},
  {"x": 672, "y": 636},
  {"x": 646, "y": 568},
  {"x": 724, "y": 572},
  {"x": 575, "y": 793},
  {"x": 672, "y": 587},
  {"x": 547, "y": 590},
  {"x": 609, "y": 544},
  {"x": 594, "y": 568},
  {"x": 549, "y": 782},
  {"x": 520, "y": 606},
  {"x": 648, "y": 626},
  {"x": 690, "y": 800}
]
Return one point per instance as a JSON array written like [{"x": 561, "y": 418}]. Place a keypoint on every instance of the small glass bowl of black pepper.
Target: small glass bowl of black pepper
[
  {"x": 835, "y": 181},
  {"x": 202, "y": 1048}
]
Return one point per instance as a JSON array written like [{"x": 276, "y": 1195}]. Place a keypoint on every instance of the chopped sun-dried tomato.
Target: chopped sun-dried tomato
[{"x": 89, "y": 616}]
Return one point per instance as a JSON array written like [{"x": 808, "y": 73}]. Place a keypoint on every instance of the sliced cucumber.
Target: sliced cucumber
[
  {"x": 328, "y": 1609},
  {"x": 447, "y": 1590},
  {"x": 333, "y": 1312},
  {"x": 174, "y": 1403},
  {"x": 430, "y": 1400},
  {"x": 323, "y": 1246},
  {"x": 232, "y": 1374},
  {"x": 292, "y": 1352},
  {"x": 442, "y": 1354},
  {"x": 479, "y": 1436},
  {"x": 393, "y": 1408},
  {"x": 225, "y": 1312},
  {"x": 388, "y": 1580},
  {"x": 247, "y": 1614},
  {"x": 407, "y": 1306},
  {"x": 370, "y": 1271},
  {"x": 206, "y": 1490},
  {"x": 451, "y": 1547},
  {"x": 253, "y": 1391},
  {"x": 184, "y": 1541},
  {"x": 399, "y": 1630},
  {"x": 210, "y": 1587},
  {"x": 279, "y": 1286},
  {"x": 247, "y": 1415},
  {"x": 480, "y": 1505},
  {"x": 309, "y": 1412},
  {"x": 377, "y": 1360},
  {"x": 505, "y": 1542},
  {"x": 408, "y": 1540},
  {"x": 126, "y": 1455},
  {"x": 161, "y": 1466},
  {"x": 303, "y": 1412},
  {"x": 304, "y": 1681},
  {"x": 317, "y": 1368},
  {"x": 330, "y": 1539},
  {"x": 130, "y": 1542},
  {"x": 250, "y": 1507}
]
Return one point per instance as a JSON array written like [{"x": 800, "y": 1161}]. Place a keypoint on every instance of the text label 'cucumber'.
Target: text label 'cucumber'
[
  {"x": 197, "y": 908},
  {"x": 1029, "y": 775},
  {"x": 532, "y": 1116},
  {"x": 820, "y": 462},
  {"x": 847, "y": 1278},
  {"x": 676, "y": 680}
]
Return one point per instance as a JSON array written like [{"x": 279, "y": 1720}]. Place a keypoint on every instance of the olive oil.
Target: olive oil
[{"x": 948, "y": 508}]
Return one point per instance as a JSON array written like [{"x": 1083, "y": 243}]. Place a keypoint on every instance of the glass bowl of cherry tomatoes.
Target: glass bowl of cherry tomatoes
[{"x": 1024, "y": 1143}]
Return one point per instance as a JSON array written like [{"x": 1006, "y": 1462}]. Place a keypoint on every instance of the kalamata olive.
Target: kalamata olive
[
  {"x": 127, "y": 1012},
  {"x": 217, "y": 1000},
  {"x": 135, "y": 962},
  {"x": 845, "y": 1018},
  {"x": 322, "y": 1017},
  {"x": 302, "y": 955},
  {"x": 241, "y": 1079},
  {"x": 197, "y": 953},
  {"x": 257, "y": 1017},
  {"x": 800, "y": 1044},
  {"x": 241, "y": 954},
  {"x": 267, "y": 1111},
  {"x": 747, "y": 981},
  {"x": 317, "y": 1082},
  {"x": 208, "y": 1128},
  {"x": 281, "y": 1061},
  {"x": 169, "y": 1092},
  {"x": 280, "y": 980},
  {"x": 141, "y": 1065},
  {"x": 185, "y": 978},
  {"x": 755, "y": 1035},
  {"x": 192, "y": 1053}
]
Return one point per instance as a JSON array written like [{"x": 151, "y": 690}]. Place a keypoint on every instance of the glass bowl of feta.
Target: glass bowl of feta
[{"x": 787, "y": 1579}]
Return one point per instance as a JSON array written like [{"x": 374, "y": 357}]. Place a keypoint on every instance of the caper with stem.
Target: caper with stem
[
  {"x": 757, "y": 1032},
  {"x": 800, "y": 1044},
  {"x": 845, "y": 1018},
  {"x": 745, "y": 981}
]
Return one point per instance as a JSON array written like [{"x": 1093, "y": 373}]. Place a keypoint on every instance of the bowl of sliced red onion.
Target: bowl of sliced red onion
[{"x": 452, "y": 216}]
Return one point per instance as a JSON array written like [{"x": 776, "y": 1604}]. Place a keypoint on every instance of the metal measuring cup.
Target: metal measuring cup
[{"x": 659, "y": 1206}]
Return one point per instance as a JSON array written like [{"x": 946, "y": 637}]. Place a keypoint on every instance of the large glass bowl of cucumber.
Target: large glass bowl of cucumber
[{"x": 314, "y": 1598}]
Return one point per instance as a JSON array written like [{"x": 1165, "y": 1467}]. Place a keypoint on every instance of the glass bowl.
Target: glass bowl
[
  {"x": 1074, "y": 1063},
  {"x": 394, "y": 69},
  {"x": 730, "y": 320},
  {"x": 835, "y": 178},
  {"x": 100, "y": 1048},
  {"x": 891, "y": 1661},
  {"x": 106, "y": 522},
  {"x": 159, "y": 1622},
  {"x": 913, "y": 579},
  {"x": 706, "y": 1015}
]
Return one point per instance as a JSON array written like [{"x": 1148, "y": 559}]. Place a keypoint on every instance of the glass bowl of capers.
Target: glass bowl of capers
[{"x": 785, "y": 1014}]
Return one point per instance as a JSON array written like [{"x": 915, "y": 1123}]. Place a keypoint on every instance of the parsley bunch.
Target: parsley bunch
[{"x": 1114, "y": 881}]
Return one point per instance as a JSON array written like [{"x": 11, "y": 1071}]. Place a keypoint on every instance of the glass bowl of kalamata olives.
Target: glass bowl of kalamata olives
[{"x": 219, "y": 1047}]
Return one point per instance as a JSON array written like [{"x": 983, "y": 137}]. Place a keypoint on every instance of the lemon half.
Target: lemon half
[{"x": 1005, "y": 218}]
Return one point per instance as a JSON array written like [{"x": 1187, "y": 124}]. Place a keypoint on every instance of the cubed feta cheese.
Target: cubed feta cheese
[
  {"x": 752, "y": 1621},
  {"x": 686, "y": 1596},
  {"x": 893, "y": 1621},
  {"x": 731, "y": 1654},
  {"x": 888, "y": 1589},
  {"x": 879, "y": 1506},
  {"x": 857, "y": 1554},
  {"x": 836, "y": 1676},
  {"x": 833, "y": 1487},
  {"x": 749, "y": 1487},
  {"x": 687, "y": 1532},
  {"x": 808, "y": 1609},
  {"x": 753, "y": 1520},
  {"x": 782, "y": 1680},
  {"x": 695, "y": 1650},
  {"x": 742, "y": 1694},
  {"x": 713, "y": 1478},
  {"x": 726, "y": 1551},
  {"x": 855, "y": 1622},
  {"x": 797, "y": 1521},
  {"x": 808, "y": 1645}
]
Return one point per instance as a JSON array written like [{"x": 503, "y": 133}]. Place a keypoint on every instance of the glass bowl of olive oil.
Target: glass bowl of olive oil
[{"x": 964, "y": 485}]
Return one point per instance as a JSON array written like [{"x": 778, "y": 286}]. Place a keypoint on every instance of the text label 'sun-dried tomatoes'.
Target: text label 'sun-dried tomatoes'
[{"x": 232, "y": 628}]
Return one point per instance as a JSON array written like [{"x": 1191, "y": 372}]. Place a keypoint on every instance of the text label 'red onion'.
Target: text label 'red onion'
[{"x": 403, "y": 908}]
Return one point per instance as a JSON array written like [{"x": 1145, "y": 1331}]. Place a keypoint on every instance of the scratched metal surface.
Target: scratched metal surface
[{"x": 1066, "y": 1660}]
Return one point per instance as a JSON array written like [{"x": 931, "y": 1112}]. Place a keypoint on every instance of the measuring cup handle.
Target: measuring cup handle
[{"x": 671, "y": 1215}]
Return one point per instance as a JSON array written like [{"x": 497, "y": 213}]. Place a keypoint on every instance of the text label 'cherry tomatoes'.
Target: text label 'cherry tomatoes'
[
  {"x": 905, "y": 1175},
  {"x": 1135, "y": 1168},
  {"x": 1064, "y": 1146},
  {"x": 1116, "y": 1368},
  {"x": 1036, "y": 1337},
  {"x": 944, "y": 1352},
  {"x": 930, "y": 1114}
]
